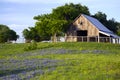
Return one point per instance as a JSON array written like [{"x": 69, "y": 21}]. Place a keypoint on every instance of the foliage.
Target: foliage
[
  {"x": 31, "y": 34},
  {"x": 26, "y": 34},
  {"x": 43, "y": 29},
  {"x": 31, "y": 46},
  {"x": 49, "y": 27},
  {"x": 7, "y": 34},
  {"x": 57, "y": 26},
  {"x": 69, "y": 11},
  {"x": 60, "y": 61}
]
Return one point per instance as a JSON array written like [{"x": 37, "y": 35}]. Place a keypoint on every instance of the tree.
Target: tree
[
  {"x": 26, "y": 34},
  {"x": 42, "y": 26},
  {"x": 69, "y": 11},
  {"x": 12, "y": 35},
  {"x": 34, "y": 34},
  {"x": 50, "y": 27},
  {"x": 31, "y": 34},
  {"x": 118, "y": 28},
  {"x": 7, "y": 34},
  {"x": 112, "y": 25},
  {"x": 56, "y": 27}
]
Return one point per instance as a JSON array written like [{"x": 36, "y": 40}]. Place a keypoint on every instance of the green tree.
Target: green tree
[
  {"x": 12, "y": 35},
  {"x": 56, "y": 27},
  {"x": 112, "y": 25},
  {"x": 69, "y": 11},
  {"x": 118, "y": 28},
  {"x": 31, "y": 34},
  {"x": 34, "y": 34},
  {"x": 50, "y": 27},
  {"x": 26, "y": 34},
  {"x": 7, "y": 34},
  {"x": 44, "y": 29}
]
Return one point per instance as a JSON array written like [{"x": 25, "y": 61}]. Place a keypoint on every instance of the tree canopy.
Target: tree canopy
[
  {"x": 69, "y": 11},
  {"x": 7, "y": 34}
]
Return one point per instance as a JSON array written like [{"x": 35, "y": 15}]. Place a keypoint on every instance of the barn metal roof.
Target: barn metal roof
[{"x": 100, "y": 26}]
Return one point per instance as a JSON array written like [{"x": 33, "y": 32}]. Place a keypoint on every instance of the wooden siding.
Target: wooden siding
[
  {"x": 86, "y": 25},
  {"x": 81, "y": 23}
]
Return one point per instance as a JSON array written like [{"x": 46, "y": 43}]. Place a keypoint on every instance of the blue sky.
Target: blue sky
[{"x": 18, "y": 14}]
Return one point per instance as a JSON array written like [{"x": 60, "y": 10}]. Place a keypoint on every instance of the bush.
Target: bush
[{"x": 31, "y": 46}]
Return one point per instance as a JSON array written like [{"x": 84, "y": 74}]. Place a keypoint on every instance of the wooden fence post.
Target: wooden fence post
[{"x": 98, "y": 39}]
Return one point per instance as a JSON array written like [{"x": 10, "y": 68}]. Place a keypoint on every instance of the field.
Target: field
[{"x": 60, "y": 61}]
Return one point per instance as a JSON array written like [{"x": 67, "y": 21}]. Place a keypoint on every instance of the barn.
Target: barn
[{"x": 88, "y": 29}]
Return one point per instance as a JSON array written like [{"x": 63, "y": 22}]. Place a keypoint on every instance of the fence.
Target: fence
[{"x": 89, "y": 39}]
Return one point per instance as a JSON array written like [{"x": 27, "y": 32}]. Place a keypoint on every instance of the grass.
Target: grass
[
  {"x": 85, "y": 67},
  {"x": 60, "y": 61}
]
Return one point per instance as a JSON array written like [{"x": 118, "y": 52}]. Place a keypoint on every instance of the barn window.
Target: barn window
[{"x": 81, "y": 23}]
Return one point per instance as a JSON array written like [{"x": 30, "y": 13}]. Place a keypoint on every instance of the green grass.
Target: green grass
[
  {"x": 85, "y": 67},
  {"x": 93, "y": 61}
]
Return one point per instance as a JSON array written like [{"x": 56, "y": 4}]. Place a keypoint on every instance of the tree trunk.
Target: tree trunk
[
  {"x": 65, "y": 37},
  {"x": 54, "y": 38}
]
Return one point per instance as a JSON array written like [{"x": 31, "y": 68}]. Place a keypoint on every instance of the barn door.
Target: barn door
[{"x": 81, "y": 35}]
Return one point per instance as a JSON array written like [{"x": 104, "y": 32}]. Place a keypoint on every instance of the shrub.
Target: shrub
[{"x": 31, "y": 46}]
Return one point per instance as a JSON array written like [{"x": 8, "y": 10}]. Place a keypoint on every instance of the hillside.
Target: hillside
[{"x": 60, "y": 61}]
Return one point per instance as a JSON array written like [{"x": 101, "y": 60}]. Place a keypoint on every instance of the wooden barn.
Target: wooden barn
[{"x": 88, "y": 29}]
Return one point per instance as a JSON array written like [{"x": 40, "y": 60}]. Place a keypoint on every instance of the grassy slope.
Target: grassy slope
[{"x": 85, "y": 65}]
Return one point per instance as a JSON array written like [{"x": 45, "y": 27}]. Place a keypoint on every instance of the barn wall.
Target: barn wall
[{"x": 86, "y": 25}]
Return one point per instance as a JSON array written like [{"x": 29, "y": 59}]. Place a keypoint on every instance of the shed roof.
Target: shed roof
[{"x": 100, "y": 26}]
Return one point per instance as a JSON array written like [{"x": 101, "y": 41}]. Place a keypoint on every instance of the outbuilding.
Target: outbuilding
[{"x": 88, "y": 29}]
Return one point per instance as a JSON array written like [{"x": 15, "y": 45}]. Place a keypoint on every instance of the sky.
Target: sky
[{"x": 18, "y": 14}]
